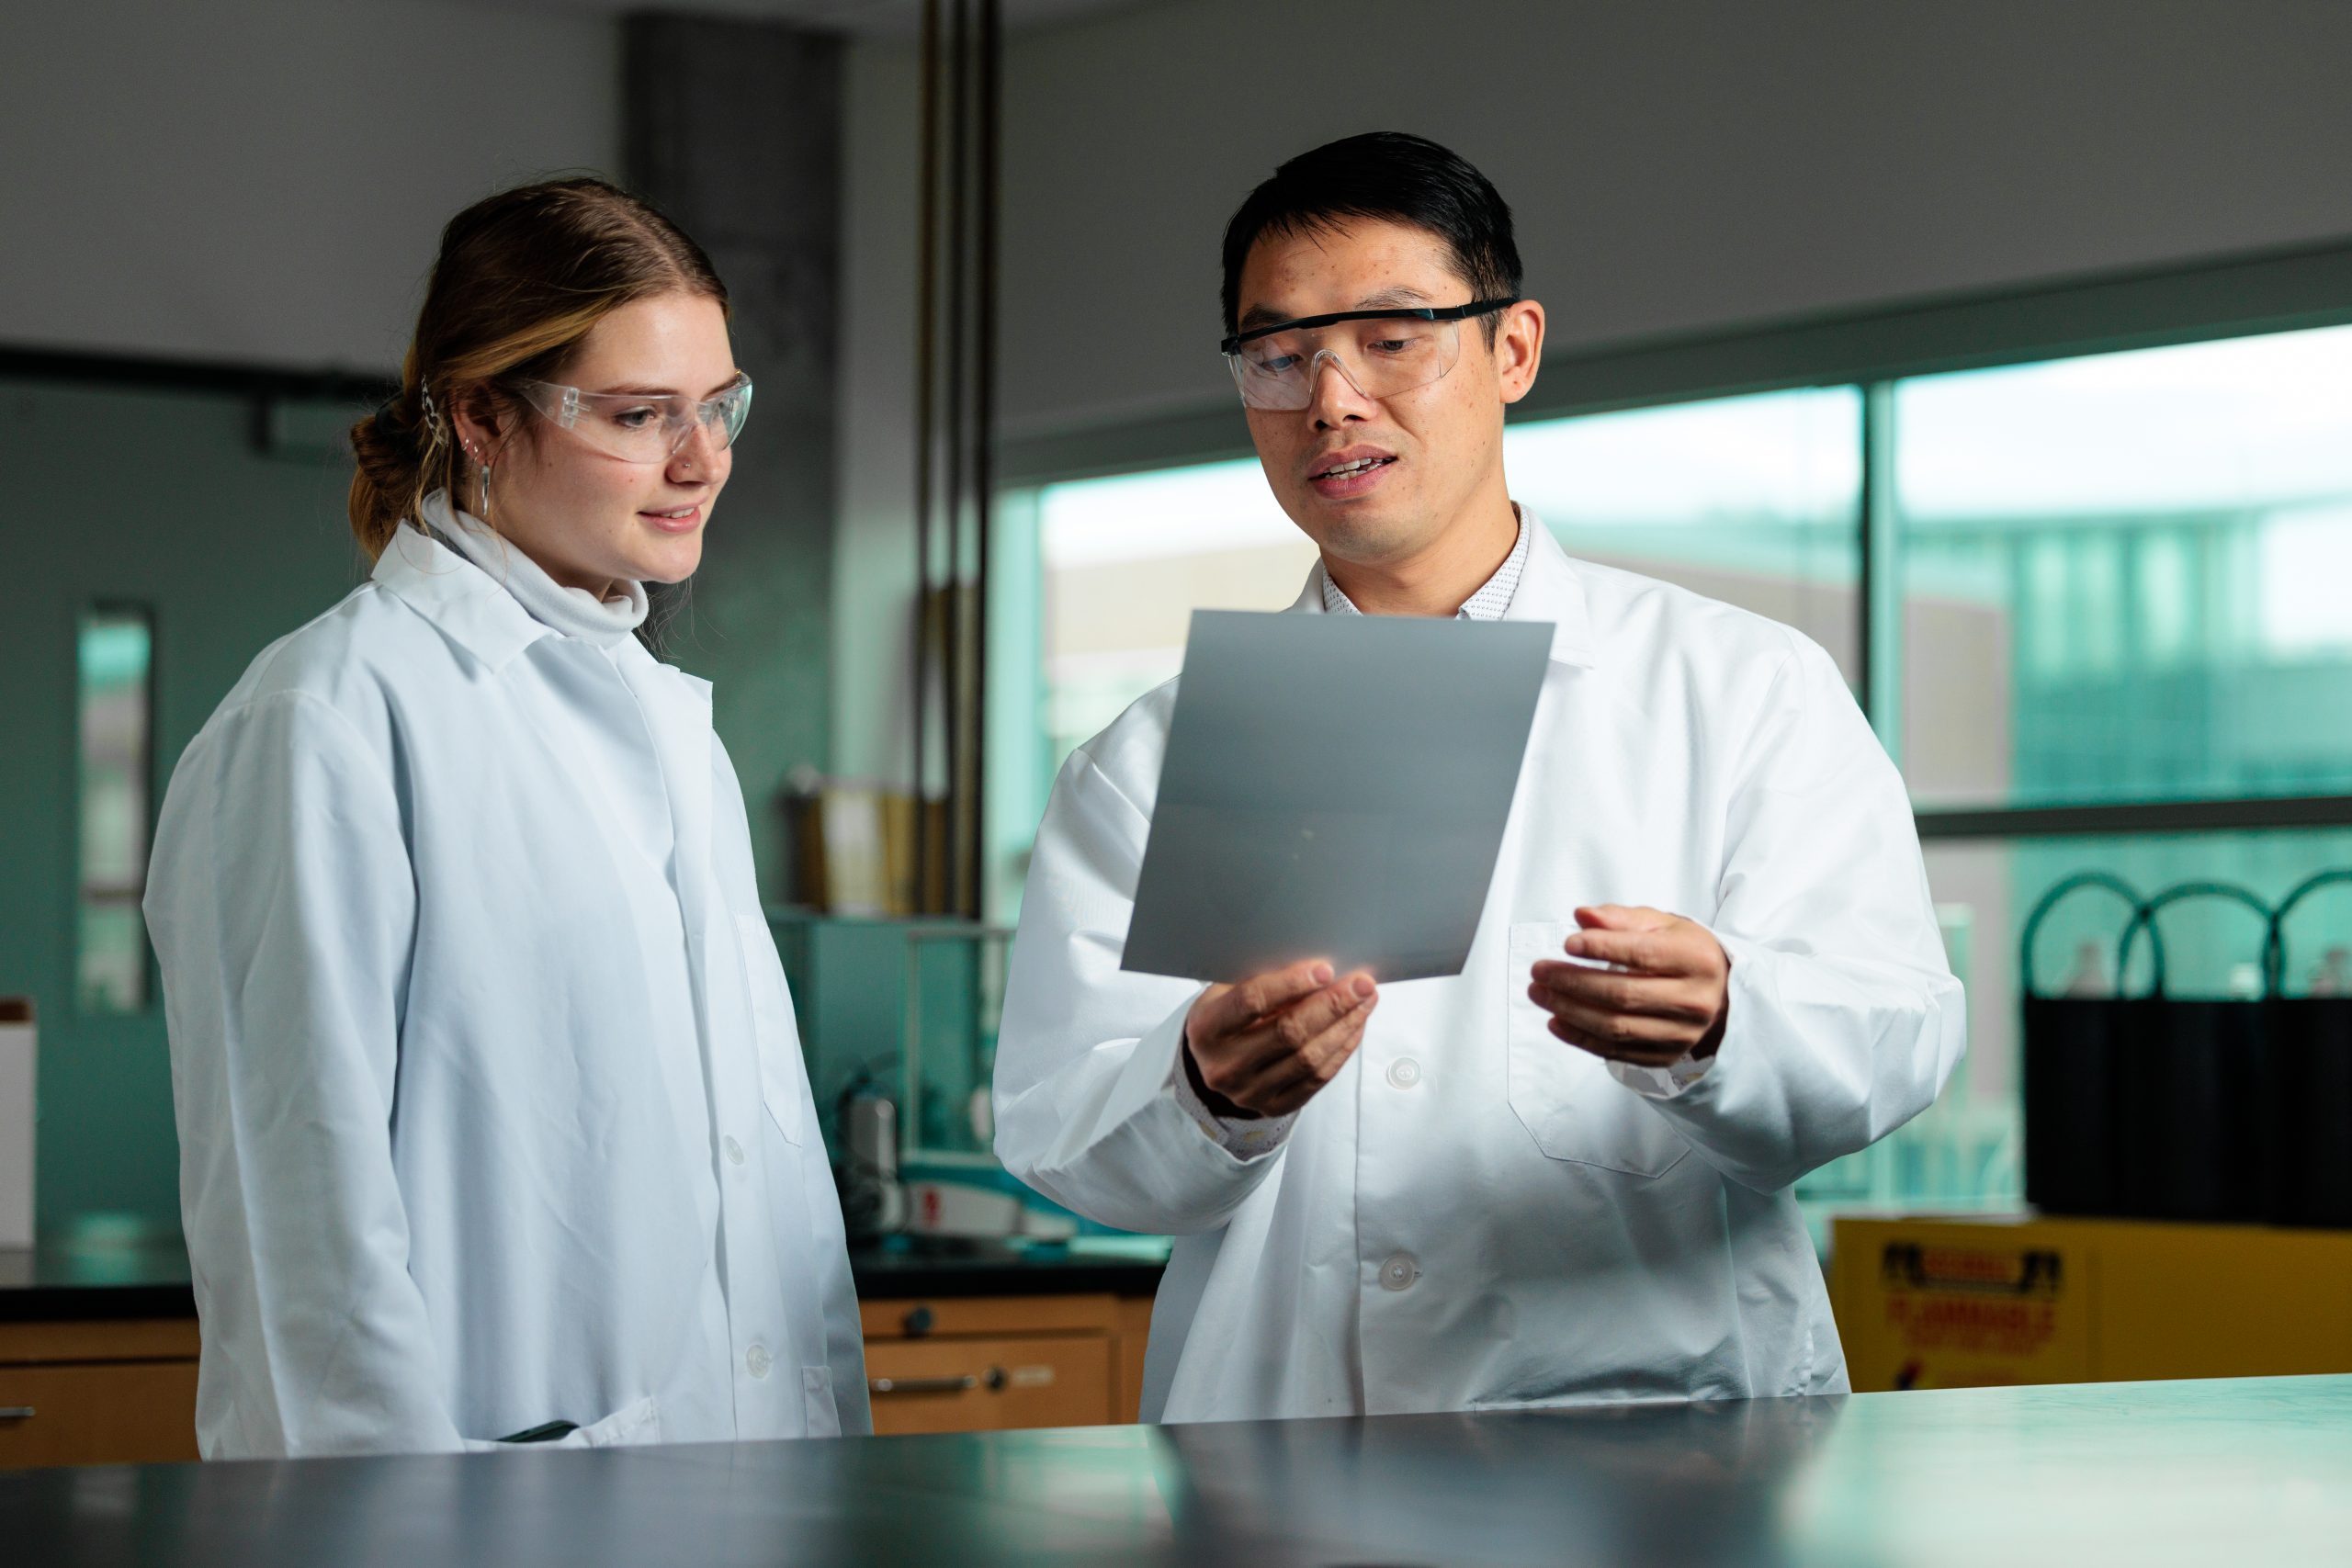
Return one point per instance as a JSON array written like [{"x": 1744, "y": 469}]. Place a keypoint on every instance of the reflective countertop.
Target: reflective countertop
[
  {"x": 2251, "y": 1472},
  {"x": 149, "y": 1277},
  {"x": 142, "y": 1277}
]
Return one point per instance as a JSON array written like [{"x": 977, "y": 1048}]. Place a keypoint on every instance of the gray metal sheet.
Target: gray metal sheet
[{"x": 1334, "y": 787}]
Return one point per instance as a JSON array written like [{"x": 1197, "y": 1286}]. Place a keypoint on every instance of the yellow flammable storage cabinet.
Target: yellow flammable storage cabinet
[{"x": 1977, "y": 1301}]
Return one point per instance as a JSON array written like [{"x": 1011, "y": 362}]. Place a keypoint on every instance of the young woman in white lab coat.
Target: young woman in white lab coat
[{"x": 493, "y": 1115}]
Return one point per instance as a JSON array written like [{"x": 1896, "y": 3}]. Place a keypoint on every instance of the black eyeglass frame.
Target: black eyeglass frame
[{"x": 1232, "y": 344}]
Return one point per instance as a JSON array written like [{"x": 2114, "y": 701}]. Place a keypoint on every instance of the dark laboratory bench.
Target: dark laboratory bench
[
  {"x": 2255, "y": 1471},
  {"x": 913, "y": 1266},
  {"x": 151, "y": 1279},
  {"x": 82, "y": 1284},
  {"x": 101, "y": 1343}
]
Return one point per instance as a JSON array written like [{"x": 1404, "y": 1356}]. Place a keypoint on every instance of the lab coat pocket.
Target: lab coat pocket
[
  {"x": 1565, "y": 1097},
  {"x": 781, "y": 1071},
  {"x": 817, "y": 1408},
  {"x": 632, "y": 1424}
]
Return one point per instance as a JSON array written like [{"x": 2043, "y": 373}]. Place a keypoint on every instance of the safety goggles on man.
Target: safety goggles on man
[
  {"x": 640, "y": 427},
  {"x": 1381, "y": 353}
]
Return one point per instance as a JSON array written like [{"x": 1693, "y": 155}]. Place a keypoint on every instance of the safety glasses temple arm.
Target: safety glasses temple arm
[{"x": 1410, "y": 312}]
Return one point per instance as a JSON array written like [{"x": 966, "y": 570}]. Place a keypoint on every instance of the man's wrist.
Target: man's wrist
[
  {"x": 1710, "y": 1042},
  {"x": 1218, "y": 1106}
]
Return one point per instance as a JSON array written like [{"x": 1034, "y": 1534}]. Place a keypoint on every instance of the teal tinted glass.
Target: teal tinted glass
[
  {"x": 1125, "y": 561},
  {"x": 117, "y": 743},
  {"x": 1755, "y": 501},
  {"x": 2124, "y": 575}
]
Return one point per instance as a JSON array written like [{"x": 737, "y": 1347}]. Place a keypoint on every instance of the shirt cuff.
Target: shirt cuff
[
  {"x": 1242, "y": 1137},
  {"x": 1662, "y": 1083}
]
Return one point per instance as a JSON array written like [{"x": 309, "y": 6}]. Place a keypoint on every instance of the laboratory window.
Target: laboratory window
[
  {"x": 1754, "y": 500},
  {"x": 115, "y": 713},
  {"x": 2124, "y": 575},
  {"x": 2113, "y": 579}
]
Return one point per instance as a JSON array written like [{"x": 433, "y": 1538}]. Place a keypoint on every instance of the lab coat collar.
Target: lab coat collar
[
  {"x": 1550, "y": 588},
  {"x": 471, "y": 608},
  {"x": 663, "y": 684}
]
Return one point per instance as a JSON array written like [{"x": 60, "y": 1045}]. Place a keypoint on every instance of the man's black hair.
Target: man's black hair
[{"x": 1383, "y": 175}]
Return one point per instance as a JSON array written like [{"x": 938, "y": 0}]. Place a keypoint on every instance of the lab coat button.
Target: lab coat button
[
  {"x": 1404, "y": 1072},
  {"x": 1399, "y": 1272},
  {"x": 759, "y": 1361},
  {"x": 734, "y": 1150}
]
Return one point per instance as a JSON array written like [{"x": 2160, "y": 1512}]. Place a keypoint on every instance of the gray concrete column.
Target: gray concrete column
[{"x": 734, "y": 130}]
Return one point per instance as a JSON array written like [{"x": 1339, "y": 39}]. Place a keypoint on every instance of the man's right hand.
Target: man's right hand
[{"x": 1264, "y": 1047}]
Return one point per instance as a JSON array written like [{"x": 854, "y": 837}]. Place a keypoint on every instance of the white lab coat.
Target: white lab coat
[
  {"x": 1473, "y": 1213},
  {"x": 491, "y": 1099}
]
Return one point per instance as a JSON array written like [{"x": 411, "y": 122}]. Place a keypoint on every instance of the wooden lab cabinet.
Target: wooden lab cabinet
[
  {"x": 123, "y": 1392},
  {"x": 97, "y": 1392},
  {"x": 991, "y": 1363}
]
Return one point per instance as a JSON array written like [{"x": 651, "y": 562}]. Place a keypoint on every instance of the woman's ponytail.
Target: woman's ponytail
[{"x": 393, "y": 445}]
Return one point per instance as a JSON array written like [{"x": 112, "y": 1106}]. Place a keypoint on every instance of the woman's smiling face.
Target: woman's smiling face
[{"x": 590, "y": 519}]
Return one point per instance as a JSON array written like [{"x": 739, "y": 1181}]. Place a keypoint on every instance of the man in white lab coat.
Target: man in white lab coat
[{"x": 1707, "y": 962}]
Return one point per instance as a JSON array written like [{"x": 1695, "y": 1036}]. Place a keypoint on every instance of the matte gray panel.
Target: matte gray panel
[{"x": 1335, "y": 787}]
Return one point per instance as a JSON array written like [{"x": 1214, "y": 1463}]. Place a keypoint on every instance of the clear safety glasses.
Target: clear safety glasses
[
  {"x": 638, "y": 427},
  {"x": 1381, "y": 353}
]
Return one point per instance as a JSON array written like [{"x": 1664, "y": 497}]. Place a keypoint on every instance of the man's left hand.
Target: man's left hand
[{"x": 1664, "y": 997}]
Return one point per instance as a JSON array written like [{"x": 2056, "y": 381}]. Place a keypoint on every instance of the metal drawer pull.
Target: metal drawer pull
[
  {"x": 923, "y": 1386},
  {"x": 17, "y": 1413},
  {"x": 992, "y": 1378}
]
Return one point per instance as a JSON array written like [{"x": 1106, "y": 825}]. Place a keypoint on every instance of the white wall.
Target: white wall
[
  {"x": 1675, "y": 164},
  {"x": 264, "y": 181}
]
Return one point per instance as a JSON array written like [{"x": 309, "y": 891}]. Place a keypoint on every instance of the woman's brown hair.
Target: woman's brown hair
[{"x": 520, "y": 278}]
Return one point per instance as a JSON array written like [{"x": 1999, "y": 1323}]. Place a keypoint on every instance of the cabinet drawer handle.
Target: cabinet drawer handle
[
  {"x": 923, "y": 1386},
  {"x": 964, "y": 1383},
  {"x": 17, "y": 1413}
]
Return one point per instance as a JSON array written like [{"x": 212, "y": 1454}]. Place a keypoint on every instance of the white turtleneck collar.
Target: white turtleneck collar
[{"x": 574, "y": 612}]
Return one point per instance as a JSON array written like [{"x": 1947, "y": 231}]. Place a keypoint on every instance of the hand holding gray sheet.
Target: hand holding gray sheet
[{"x": 1335, "y": 787}]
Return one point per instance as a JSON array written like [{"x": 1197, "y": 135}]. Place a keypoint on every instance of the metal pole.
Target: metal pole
[
  {"x": 926, "y": 290},
  {"x": 953, "y": 665},
  {"x": 984, "y": 430}
]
